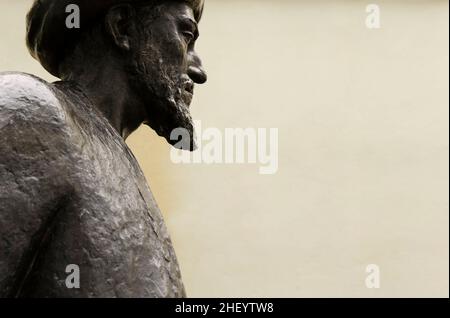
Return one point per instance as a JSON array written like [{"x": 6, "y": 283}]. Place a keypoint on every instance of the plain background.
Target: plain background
[{"x": 363, "y": 149}]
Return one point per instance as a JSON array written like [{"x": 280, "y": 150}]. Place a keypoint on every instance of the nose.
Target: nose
[{"x": 196, "y": 71}]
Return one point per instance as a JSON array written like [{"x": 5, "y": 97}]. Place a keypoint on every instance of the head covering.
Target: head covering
[{"x": 48, "y": 38}]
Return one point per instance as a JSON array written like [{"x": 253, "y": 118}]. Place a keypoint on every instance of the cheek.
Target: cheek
[
  {"x": 174, "y": 52},
  {"x": 162, "y": 62}
]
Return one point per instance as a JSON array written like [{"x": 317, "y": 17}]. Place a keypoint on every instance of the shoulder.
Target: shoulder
[
  {"x": 33, "y": 122},
  {"x": 25, "y": 95},
  {"x": 30, "y": 109},
  {"x": 14, "y": 85},
  {"x": 36, "y": 141}
]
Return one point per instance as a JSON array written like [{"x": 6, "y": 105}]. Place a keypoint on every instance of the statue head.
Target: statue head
[{"x": 152, "y": 43}]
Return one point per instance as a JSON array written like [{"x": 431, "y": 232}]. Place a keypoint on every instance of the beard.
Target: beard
[{"x": 161, "y": 88}]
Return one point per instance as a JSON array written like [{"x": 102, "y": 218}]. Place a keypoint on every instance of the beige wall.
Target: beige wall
[{"x": 363, "y": 149}]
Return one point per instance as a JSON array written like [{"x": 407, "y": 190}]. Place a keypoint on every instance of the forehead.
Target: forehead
[
  {"x": 197, "y": 7},
  {"x": 191, "y": 9},
  {"x": 182, "y": 10}
]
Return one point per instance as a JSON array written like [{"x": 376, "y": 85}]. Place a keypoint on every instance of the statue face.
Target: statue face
[{"x": 165, "y": 67}]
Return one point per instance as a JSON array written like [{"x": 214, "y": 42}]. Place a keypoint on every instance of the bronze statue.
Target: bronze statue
[{"x": 71, "y": 191}]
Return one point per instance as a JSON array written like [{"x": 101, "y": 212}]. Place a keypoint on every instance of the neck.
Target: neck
[{"x": 109, "y": 90}]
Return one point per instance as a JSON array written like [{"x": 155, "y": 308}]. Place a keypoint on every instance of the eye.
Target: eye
[{"x": 189, "y": 36}]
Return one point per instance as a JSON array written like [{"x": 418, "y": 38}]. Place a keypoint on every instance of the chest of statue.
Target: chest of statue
[{"x": 110, "y": 229}]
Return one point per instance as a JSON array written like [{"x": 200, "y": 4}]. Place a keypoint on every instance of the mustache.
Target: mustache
[{"x": 188, "y": 85}]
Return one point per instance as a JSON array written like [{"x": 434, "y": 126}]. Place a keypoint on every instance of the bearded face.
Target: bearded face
[{"x": 165, "y": 68}]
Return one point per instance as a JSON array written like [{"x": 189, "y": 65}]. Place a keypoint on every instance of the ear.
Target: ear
[{"x": 119, "y": 23}]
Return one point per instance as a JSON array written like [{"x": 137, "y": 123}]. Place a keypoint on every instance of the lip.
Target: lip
[
  {"x": 189, "y": 87},
  {"x": 188, "y": 96},
  {"x": 188, "y": 91}
]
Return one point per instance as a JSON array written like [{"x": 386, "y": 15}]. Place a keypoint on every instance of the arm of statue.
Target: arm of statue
[{"x": 34, "y": 174}]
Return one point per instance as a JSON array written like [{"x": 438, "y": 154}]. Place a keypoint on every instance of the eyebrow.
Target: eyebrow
[{"x": 188, "y": 21}]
